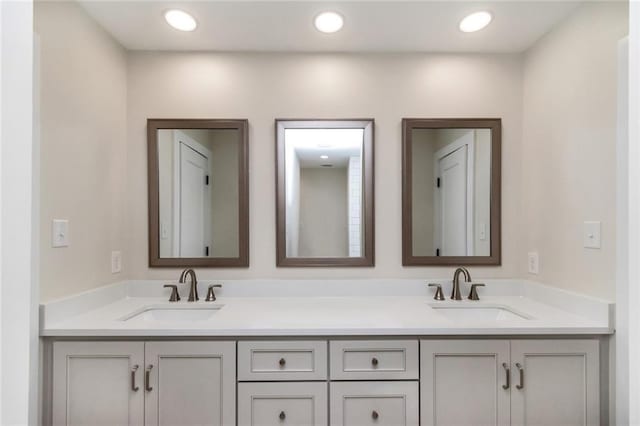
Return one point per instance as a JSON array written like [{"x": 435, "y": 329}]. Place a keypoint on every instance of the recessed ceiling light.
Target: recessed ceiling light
[
  {"x": 475, "y": 22},
  {"x": 180, "y": 20},
  {"x": 329, "y": 22},
  {"x": 324, "y": 157}
]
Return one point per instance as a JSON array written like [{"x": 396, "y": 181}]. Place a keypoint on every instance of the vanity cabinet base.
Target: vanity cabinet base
[{"x": 355, "y": 382}]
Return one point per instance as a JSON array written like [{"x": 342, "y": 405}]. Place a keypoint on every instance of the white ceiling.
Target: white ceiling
[
  {"x": 370, "y": 26},
  {"x": 337, "y": 144}
]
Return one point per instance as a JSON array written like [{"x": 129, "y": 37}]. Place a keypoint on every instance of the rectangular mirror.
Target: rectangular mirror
[
  {"x": 198, "y": 193},
  {"x": 451, "y": 192},
  {"x": 325, "y": 193}
]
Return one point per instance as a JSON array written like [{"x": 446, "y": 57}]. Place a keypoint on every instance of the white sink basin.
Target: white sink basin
[
  {"x": 173, "y": 313},
  {"x": 485, "y": 313}
]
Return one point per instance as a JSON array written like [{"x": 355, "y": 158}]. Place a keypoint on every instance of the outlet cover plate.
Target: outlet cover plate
[{"x": 533, "y": 265}]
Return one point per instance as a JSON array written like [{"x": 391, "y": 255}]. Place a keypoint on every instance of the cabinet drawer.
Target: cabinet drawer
[
  {"x": 278, "y": 404},
  {"x": 374, "y": 403},
  {"x": 286, "y": 360},
  {"x": 374, "y": 359}
]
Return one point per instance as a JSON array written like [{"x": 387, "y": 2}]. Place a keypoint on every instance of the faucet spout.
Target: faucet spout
[
  {"x": 193, "y": 288},
  {"x": 455, "y": 293}
]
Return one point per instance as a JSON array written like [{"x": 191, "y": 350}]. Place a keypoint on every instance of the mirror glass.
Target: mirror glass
[
  {"x": 452, "y": 192},
  {"x": 324, "y": 192},
  {"x": 198, "y": 175},
  {"x": 198, "y": 192}
]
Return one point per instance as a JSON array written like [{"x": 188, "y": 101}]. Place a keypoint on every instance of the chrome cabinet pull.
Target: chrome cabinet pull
[
  {"x": 375, "y": 415},
  {"x": 282, "y": 415},
  {"x": 374, "y": 361},
  {"x": 507, "y": 374},
  {"x": 133, "y": 378},
  {"x": 521, "y": 370},
  {"x": 147, "y": 379},
  {"x": 282, "y": 362}
]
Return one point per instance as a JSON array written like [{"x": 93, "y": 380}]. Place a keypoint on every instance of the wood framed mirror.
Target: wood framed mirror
[
  {"x": 324, "y": 192},
  {"x": 451, "y": 199},
  {"x": 198, "y": 192}
]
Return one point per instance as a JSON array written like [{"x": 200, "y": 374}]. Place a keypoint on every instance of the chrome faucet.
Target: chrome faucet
[
  {"x": 193, "y": 289},
  {"x": 455, "y": 293}
]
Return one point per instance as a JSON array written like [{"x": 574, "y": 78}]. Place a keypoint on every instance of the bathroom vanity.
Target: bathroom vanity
[{"x": 523, "y": 354}]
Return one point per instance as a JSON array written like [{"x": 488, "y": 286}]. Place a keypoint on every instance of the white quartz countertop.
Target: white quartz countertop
[{"x": 312, "y": 315}]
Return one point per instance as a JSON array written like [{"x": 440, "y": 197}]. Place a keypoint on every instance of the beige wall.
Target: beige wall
[
  {"x": 569, "y": 137},
  {"x": 83, "y": 148},
  {"x": 423, "y": 148},
  {"x": 165, "y": 191},
  {"x": 324, "y": 221},
  {"x": 482, "y": 192},
  {"x": 262, "y": 87},
  {"x": 558, "y": 169},
  {"x": 224, "y": 192}
]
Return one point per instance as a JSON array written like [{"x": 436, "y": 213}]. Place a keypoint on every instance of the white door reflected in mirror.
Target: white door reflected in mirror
[
  {"x": 451, "y": 192},
  {"x": 198, "y": 192}
]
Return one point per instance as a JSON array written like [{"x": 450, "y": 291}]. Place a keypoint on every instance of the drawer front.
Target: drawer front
[
  {"x": 280, "y": 404},
  {"x": 282, "y": 361},
  {"x": 374, "y": 404},
  {"x": 374, "y": 359}
]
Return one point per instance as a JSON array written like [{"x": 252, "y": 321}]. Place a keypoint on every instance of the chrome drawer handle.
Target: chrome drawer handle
[
  {"x": 282, "y": 362},
  {"x": 282, "y": 415},
  {"x": 507, "y": 373},
  {"x": 375, "y": 415},
  {"x": 374, "y": 361},
  {"x": 133, "y": 378},
  {"x": 521, "y": 370}
]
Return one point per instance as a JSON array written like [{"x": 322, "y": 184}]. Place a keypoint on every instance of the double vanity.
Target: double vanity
[
  {"x": 279, "y": 352},
  {"x": 325, "y": 352}
]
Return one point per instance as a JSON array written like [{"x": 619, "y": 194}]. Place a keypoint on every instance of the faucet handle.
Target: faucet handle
[
  {"x": 175, "y": 296},
  {"x": 439, "y": 294},
  {"x": 473, "y": 294},
  {"x": 211, "y": 295}
]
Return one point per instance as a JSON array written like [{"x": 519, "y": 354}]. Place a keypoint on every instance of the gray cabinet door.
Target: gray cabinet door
[
  {"x": 190, "y": 383},
  {"x": 560, "y": 382},
  {"x": 98, "y": 383},
  {"x": 464, "y": 382}
]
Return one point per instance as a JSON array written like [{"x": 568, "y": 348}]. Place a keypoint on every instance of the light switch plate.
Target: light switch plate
[
  {"x": 533, "y": 265},
  {"x": 592, "y": 235},
  {"x": 60, "y": 233},
  {"x": 116, "y": 262}
]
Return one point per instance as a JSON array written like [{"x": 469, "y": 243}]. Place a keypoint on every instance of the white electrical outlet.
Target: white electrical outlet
[
  {"x": 116, "y": 262},
  {"x": 534, "y": 263},
  {"x": 60, "y": 233}
]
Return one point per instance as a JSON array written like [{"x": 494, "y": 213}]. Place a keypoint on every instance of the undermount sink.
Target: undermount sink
[
  {"x": 173, "y": 313},
  {"x": 478, "y": 313}
]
